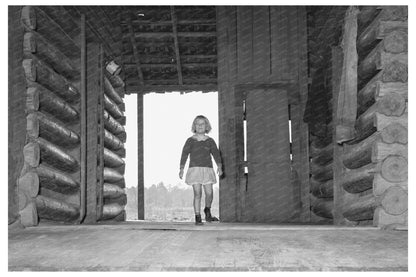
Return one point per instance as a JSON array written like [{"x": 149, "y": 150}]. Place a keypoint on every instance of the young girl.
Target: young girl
[{"x": 200, "y": 172}]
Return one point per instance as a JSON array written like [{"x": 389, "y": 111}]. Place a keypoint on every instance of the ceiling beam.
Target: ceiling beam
[
  {"x": 170, "y": 88},
  {"x": 179, "y": 22},
  {"x": 135, "y": 52},
  {"x": 175, "y": 39},
  {"x": 167, "y": 34},
  {"x": 155, "y": 65}
]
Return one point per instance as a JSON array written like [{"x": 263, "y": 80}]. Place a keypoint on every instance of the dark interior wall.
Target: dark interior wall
[
  {"x": 262, "y": 46},
  {"x": 16, "y": 111}
]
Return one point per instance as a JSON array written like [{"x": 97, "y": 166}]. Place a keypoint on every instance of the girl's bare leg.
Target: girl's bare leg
[
  {"x": 197, "y": 198},
  {"x": 208, "y": 195}
]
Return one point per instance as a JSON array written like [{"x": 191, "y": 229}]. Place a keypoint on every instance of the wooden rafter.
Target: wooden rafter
[
  {"x": 135, "y": 51},
  {"x": 175, "y": 39}
]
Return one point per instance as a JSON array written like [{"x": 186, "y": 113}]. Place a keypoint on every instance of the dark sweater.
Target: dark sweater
[{"x": 200, "y": 153}]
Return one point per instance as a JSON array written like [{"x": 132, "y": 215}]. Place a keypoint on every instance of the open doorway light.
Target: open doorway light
[{"x": 167, "y": 125}]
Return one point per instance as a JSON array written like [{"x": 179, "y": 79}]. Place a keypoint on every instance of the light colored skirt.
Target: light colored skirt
[{"x": 200, "y": 175}]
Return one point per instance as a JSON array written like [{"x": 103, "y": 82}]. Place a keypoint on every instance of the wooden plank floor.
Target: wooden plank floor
[{"x": 146, "y": 246}]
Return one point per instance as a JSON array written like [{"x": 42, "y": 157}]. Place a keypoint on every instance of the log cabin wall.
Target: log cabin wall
[
  {"x": 374, "y": 180},
  {"x": 260, "y": 47},
  {"x": 49, "y": 183},
  {"x": 324, "y": 31},
  {"x": 45, "y": 116}
]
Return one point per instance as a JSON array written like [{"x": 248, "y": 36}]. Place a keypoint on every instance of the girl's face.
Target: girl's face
[{"x": 200, "y": 126}]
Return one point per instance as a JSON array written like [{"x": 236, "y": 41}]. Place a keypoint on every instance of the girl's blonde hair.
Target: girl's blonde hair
[{"x": 207, "y": 124}]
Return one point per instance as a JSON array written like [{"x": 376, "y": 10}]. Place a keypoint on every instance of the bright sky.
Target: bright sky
[{"x": 167, "y": 124}]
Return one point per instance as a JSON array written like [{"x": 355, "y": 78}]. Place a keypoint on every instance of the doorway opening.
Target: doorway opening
[{"x": 167, "y": 121}]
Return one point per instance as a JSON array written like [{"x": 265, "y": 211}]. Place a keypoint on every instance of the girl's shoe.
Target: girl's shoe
[
  {"x": 198, "y": 220},
  {"x": 208, "y": 216}
]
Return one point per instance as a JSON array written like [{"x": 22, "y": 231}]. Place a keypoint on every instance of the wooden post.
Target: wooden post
[
  {"x": 140, "y": 167},
  {"x": 347, "y": 100},
  {"x": 83, "y": 122},
  {"x": 100, "y": 122},
  {"x": 93, "y": 87}
]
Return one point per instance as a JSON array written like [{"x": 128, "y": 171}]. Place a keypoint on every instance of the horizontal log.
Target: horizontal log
[
  {"x": 322, "y": 173},
  {"x": 39, "y": 125},
  {"x": 120, "y": 217},
  {"x": 23, "y": 199},
  {"x": 380, "y": 185},
  {"x": 392, "y": 104},
  {"x": 39, "y": 98},
  {"x": 111, "y": 92},
  {"x": 381, "y": 121},
  {"x": 53, "y": 209},
  {"x": 376, "y": 89},
  {"x": 322, "y": 190},
  {"x": 34, "y": 43},
  {"x": 29, "y": 215},
  {"x": 47, "y": 27},
  {"x": 112, "y": 107},
  {"x": 122, "y": 107},
  {"x": 112, "y": 176},
  {"x": 112, "y": 190},
  {"x": 55, "y": 180},
  {"x": 111, "y": 210},
  {"x": 322, "y": 156},
  {"x": 111, "y": 141},
  {"x": 389, "y": 19},
  {"x": 323, "y": 207},
  {"x": 114, "y": 126},
  {"x": 387, "y": 221},
  {"x": 36, "y": 71},
  {"x": 394, "y": 200},
  {"x": 28, "y": 17},
  {"x": 29, "y": 184},
  {"x": 320, "y": 142},
  {"x": 31, "y": 154},
  {"x": 359, "y": 154},
  {"x": 121, "y": 200},
  {"x": 376, "y": 60},
  {"x": 361, "y": 209},
  {"x": 366, "y": 15},
  {"x": 394, "y": 168},
  {"x": 381, "y": 150},
  {"x": 115, "y": 80},
  {"x": 41, "y": 150},
  {"x": 111, "y": 159},
  {"x": 382, "y": 89},
  {"x": 358, "y": 180}
]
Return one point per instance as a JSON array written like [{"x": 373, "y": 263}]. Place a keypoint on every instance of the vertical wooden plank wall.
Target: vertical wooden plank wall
[
  {"x": 376, "y": 160},
  {"x": 258, "y": 45}
]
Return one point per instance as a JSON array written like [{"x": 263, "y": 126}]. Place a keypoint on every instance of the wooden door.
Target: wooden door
[{"x": 268, "y": 193}]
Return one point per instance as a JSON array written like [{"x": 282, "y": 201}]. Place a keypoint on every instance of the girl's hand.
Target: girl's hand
[
  {"x": 219, "y": 171},
  {"x": 180, "y": 173}
]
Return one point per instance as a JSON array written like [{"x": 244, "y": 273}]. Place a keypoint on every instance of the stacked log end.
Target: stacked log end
[
  {"x": 376, "y": 160},
  {"x": 114, "y": 136},
  {"x": 51, "y": 154}
]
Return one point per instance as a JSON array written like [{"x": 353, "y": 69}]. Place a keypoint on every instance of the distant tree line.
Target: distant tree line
[{"x": 159, "y": 197}]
